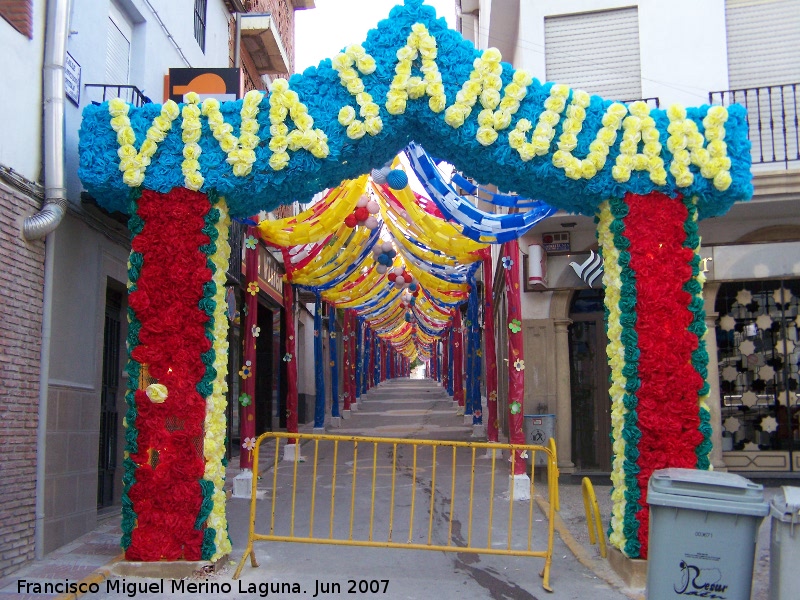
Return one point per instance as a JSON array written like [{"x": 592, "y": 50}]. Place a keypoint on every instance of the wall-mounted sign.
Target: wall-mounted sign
[
  {"x": 72, "y": 79},
  {"x": 557, "y": 241},
  {"x": 222, "y": 84}
]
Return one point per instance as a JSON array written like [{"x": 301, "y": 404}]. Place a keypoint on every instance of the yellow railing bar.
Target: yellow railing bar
[
  {"x": 593, "y": 520},
  {"x": 333, "y": 484},
  {"x": 374, "y": 473},
  {"x": 530, "y": 504},
  {"x": 413, "y": 496},
  {"x": 294, "y": 491},
  {"x": 452, "y": 501},
  {"x": 313, "y": 490},
  {"x": 274, "y": 480},
  {"x": 471, "y": 494},
  {"x": 554, "y": 473},
  {"x": 433, "y": 495},
  {"x": 353, "y": 490},
  {"x": 491, "y": 506},
  {"x": 510, "y": 506},
  {"x": 394, "y": 473}
]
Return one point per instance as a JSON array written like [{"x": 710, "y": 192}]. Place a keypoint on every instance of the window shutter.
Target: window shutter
[
  {"x": 597, "y": 52},
  {"x": 763, "y": 42},
  {"x": 118, "y": 47}
]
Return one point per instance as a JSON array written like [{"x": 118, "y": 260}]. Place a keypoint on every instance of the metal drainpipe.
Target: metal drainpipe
[{"x": 46, "y": 220}]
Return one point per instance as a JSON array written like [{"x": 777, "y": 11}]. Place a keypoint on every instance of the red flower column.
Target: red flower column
[
  {"x": 659, "y": 363},
  {"x": 489, "y": 352},
  {"x": 458, "y": 359},
  {"x": 516, "y": 361},
  {"x": 164, "y": 493}
]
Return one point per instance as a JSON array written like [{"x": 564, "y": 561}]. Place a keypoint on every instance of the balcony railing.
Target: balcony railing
[
  {"x": 772, "y": 119},
  {"x": 651, "y": 102},
  {"x": 100, "y": 92}
]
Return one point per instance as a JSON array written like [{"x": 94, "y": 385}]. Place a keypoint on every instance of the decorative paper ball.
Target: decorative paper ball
[
  {"x": 400, "y": 279},
  {"x": 392, "y": 253},
  {"x": 412, "y": 287},
  {"x": 378, "y": 176},
  {"x": 397, "y": 179},
  {"x": 350, "y": 220},
  {"x": 387, "y": 246},
  {"x": 362, "y": 201},
  {"x": 399, "y": 284},
  {"x": 391, "y": 276},
  {"x": 371, "y": 222},
  {"x": 377, "y": 250},
  {"x": 413, "y": 301},
  {"x": 373, "y": 207},
  {"x": 384, "y": 259},
  {"x": 361, "y": 213},
  {"x": 381, "y": 269}
]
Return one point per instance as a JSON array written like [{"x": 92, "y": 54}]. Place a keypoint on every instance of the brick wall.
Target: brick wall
[
  {"x": 22, "y": 282},
  {"x": 19, "y": 13},
  {"x": 283, "y": 14}
]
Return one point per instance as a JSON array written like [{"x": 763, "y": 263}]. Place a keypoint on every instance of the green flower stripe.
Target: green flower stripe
[
  {"x": 205, "y": 386},
  {"x": 133, "y": 369},
  {"x": 698, "y": 327},
  {"x": 630, "y": 341}
]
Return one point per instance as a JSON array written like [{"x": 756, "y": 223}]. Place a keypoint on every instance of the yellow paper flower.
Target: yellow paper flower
[
  {"x": 252, "y": 288},
  {"x": 157, "y": 393}
]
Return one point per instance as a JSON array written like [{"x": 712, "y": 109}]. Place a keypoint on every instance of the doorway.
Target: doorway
[
  {"x": 107, "y": 458},
  {"x": 589, "y": 373}
]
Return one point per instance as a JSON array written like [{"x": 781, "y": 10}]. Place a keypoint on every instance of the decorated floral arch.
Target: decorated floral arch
[{"x": 182, "y": 171}]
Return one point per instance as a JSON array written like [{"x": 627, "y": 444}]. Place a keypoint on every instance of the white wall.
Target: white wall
[
  {"x": 152, "y": 53},
  {"x": 21, "y": 100},
  {"x": 683, "y": 44}
]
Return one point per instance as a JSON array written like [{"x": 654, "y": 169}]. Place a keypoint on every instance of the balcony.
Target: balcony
[
  {"x": 101, "y": 92},
  {"x": 773, "y": 121}
]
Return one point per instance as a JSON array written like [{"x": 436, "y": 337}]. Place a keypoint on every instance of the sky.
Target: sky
[{"x": 323, "y": 31}]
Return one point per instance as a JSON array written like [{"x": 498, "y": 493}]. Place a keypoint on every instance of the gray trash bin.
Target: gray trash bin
[
  {"x": 703, "y": 531},
  {"x": 784, "y": 545},
  {"x": 538, "y": 431}
]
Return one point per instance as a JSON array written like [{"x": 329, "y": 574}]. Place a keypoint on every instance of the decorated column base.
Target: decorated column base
[
  {"x": 479, "y": 431},
  {"x": 346, "y": 414},
  {"x": 520, "y": 486},
  {"x": 291, "y": 453}
]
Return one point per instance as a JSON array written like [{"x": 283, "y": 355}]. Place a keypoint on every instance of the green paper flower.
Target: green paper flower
[
  {"x": 250, "y": 242},
  {"x": 516, "y": 407},
  {"x": 245, "y": 399},
  {"x": 515, "y": 326}
]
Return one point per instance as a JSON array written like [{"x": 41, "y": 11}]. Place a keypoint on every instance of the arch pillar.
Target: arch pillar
[
  {"x": 563, "y": 397},
  {"x": 714, "y": 397}
]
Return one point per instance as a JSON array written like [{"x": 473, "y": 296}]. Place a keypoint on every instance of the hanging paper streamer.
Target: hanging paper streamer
[{"x": 477, "y": 224}]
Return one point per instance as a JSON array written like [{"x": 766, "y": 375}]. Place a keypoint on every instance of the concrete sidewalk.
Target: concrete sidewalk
[{"x": 406, "y": 408}]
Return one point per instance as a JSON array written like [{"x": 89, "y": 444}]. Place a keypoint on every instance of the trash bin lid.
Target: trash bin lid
[
  {"x": 785, "y": 506},
  {"x": 706, "y": 490}
]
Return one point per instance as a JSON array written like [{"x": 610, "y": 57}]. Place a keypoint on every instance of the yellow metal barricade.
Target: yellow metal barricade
[
  {"x": 399, "y": 493},
  {"x": 593, "y": 515}
]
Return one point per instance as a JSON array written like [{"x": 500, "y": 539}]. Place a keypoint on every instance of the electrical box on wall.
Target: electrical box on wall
[{"x": 557, "y": 241}]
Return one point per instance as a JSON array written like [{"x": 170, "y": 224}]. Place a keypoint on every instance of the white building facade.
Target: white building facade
[
  {"x": 63, "y": 322},
  {"x": 690, "y": 53}
]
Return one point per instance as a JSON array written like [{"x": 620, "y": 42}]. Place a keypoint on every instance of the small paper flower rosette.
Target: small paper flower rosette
[{"x": 157, "y": 393}]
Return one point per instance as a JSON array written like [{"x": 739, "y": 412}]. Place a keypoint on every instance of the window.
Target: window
[
  {"x": 200, "y": 23},
  {"x": 118, "y": 46},
  {"x": 759, "y": 351},
  {"x": 597, "y": 52}
]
